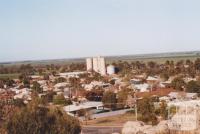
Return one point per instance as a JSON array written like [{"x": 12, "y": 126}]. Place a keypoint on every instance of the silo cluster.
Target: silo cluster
[{"x": 96, "y": 64}]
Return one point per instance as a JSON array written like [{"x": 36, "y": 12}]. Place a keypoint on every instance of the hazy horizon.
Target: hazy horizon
[{"x": 34, "y": 30}]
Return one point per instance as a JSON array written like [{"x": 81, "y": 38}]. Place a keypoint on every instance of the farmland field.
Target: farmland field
[
  {"x": 11, "y": 76},
  {"x": 158, "y": 57}
]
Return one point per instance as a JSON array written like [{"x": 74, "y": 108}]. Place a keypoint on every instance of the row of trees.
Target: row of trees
[
  {"x": 169, "y": 68},
  {"x": 192, "y": 86},
  {"x": 40, "y": 69}
]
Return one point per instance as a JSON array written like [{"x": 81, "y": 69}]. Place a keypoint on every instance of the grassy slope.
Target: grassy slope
[{"x": 112, "y": 120}]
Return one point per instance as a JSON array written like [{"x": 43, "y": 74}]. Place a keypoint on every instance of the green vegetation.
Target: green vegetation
[
  {"x": 109, "y": 99},
  {"x": 60, "y": 80},
  {"x": 122, "y": 97},
  {"x": 178, "y": 84},
  {"x": 193, "y": 87},
  {"x": 162, "y": 110},
  {"x": 36, "y": 87},
  {"x": 147, "y": 111},
  {"x": 94, "y": 95},
  {"x": 60, "y": 100},
  {"x": 112, "y": 120},
  {"x": 38, "y": 119},
  {"x": 10, "y": 76},
  {"x": 49, "y": 96}
]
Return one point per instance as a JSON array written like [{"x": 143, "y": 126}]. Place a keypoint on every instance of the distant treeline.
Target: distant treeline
[{"x": 39, "y": 69}]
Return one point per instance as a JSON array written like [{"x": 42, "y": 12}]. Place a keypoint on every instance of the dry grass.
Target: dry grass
[{"x": 112, "y": 120}]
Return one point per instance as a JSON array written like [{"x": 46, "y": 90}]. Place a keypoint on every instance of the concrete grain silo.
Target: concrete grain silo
[
  {"x": 102, "y": 66},
  {"x": 89, "y": 64},
  {"x": 95, "y": 64}
]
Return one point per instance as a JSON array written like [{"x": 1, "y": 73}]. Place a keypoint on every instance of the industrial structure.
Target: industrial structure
[
  {"x": 89, "y": 64},
  {"x": 111, "y": 69},
  {"x": 96, "y": 64}
]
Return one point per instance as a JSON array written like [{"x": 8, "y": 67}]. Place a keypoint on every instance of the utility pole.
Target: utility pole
[{"x": 135, "y": 98}]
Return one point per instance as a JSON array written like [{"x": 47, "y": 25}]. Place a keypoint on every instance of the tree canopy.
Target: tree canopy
[
  {"x": 38, "y": 119},
  {"x": 109, "y": 99},
  {"x": 193, "y": 87},
  {"x": 147, "y": 110},
  {"x": 36, "y": 87},
  {"x": 178, "y": 83},
  {"x": 60, "y": 100}
]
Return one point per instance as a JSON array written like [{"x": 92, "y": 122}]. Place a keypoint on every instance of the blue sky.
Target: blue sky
[{"x": 50, "y": 29}]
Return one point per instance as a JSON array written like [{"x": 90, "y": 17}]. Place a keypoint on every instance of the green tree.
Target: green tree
[
  {"x": 9, "y": 82},
  {"x": 1, "y": 84},
  {"x": 49, "y": 96},
  {"x": 60, "y": 100},
  {"x": 75, "y": 85},
  {"x": 193, "y": 87},
  {"x": 19, "y": 102},
  {"x": 60, "y": 80},
  {"x": 151, "y": 64},
  {"x": 37, "y": 119},
  {"x": 36, "y": 87},
  {"x": 86, "y": 113},
  {"x": 122, "y": 97},
  {"x": 162, "y": 110},
  {"x": 46, "y": 76},
  {"x": 109, "y": 99},
  {"x": 178, "y": 83},
  {"x": 94, "y": 95},
  {"x": 147, "y": 110},
  {"x": 197, "y": 64},
  {"x": 164, "y": 76},
  {"x": 25, "y": 80}
]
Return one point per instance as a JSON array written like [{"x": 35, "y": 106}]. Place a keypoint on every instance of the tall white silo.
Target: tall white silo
[
  {"x": 102, "y": 66},
  {"x": 95, "y": 64},
  {"x": 89, "y": 64}
]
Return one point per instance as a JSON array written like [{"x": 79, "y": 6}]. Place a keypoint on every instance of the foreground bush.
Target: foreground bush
[{"x": 37, "y": 119}]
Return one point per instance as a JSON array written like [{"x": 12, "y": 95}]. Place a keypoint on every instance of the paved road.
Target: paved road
[{"x": 101, "y": 129}]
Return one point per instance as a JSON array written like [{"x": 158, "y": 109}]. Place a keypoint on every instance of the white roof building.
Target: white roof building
[
  {"x": 85, "y": 105},
  {"x": 35, "y": 76},
  {"x": 93, "y": 84},
  {"x": 23, "y": 94},
  {"x": 72, "y": 74},
  {"x": 63, "y": 84},
  {"x": 150, "y": 78},
  {"x": 42, "y": 82},
  {"x": 164, "y": 98},
  {"x": 188, "y": 79},
  {"x": 142, "y": 87},
  {"x": 176, "y": 95}
]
